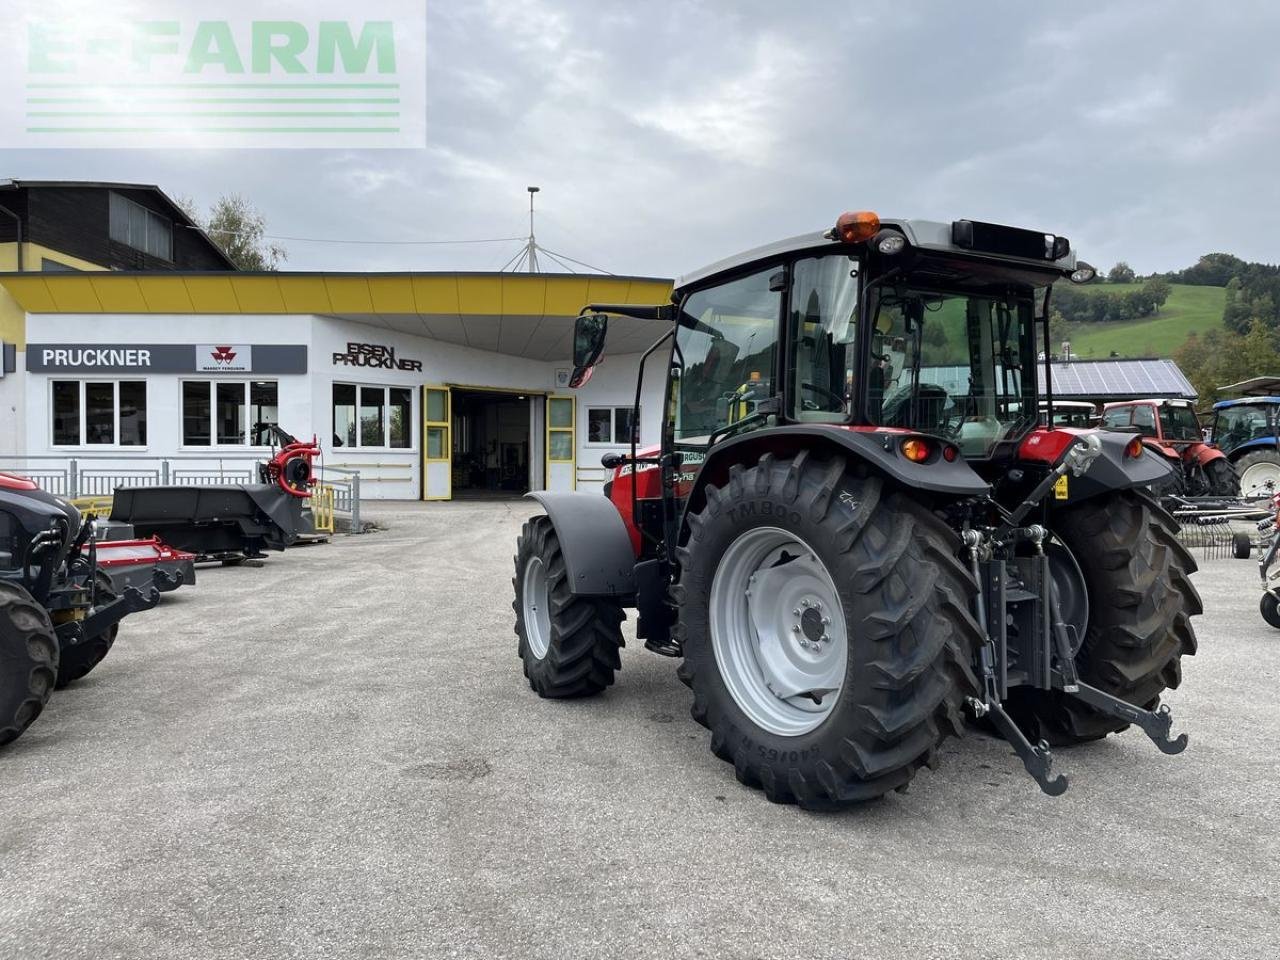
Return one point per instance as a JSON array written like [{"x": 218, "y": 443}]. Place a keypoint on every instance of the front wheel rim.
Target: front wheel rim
[
  {"x": 536, "y": 603},
  {"x": 778, "y": 631},
  {"x": 1262, "y": 478}
]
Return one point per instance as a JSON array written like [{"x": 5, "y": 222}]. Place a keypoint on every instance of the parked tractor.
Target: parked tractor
[
  {"x": 59, "y": 613},
  {"x": 1247, "y": 432},
  {"x": 857, "y": 529},
  {"x": 1171, "y": 429}
]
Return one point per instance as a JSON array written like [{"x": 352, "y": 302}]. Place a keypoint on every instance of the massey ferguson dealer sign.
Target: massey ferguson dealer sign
[
  {"x": 166, "y": 358},
  {"x": 225, "y": 358}
]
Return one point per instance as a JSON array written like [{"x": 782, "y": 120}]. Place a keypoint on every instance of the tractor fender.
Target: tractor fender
[
  {"x": 1203, "y": 454},
  {"x": 1112, "y": 470},
  {"x": 876, "y": 448},
  {"x": 597, "y": 548},
  {"x": 1251, "y": 446}
]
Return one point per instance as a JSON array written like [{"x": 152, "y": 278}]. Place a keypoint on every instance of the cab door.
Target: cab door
[
  {"x": 562, "y": 443},
  {"x": 437, "y": 443}
]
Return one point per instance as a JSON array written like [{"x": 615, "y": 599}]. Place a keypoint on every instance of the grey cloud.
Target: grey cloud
[{"x": 666, "y": 135}]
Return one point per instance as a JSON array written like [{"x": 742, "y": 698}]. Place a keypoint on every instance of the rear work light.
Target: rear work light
[
  {"x": 855, "y": 227},
  {"x": 1133, "y": 448},
  {"x": 916, "y": 449}
]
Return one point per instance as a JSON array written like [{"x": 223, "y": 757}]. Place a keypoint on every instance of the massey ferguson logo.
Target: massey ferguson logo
[{"x": 224, "y": 358}]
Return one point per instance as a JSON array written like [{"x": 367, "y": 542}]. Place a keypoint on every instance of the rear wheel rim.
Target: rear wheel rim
[
  {"x": 535, "y": 599},
  {"x": 778, "y": 631},
  {"x": 1260, "y": 478}
]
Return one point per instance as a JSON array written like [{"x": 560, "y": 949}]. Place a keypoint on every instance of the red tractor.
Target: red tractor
[
  {"x": 1170, "y": 429},
  {"x": 857, "y": 527}
]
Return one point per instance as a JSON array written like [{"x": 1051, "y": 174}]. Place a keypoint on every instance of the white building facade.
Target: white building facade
[{"x": 424, "y": 402}]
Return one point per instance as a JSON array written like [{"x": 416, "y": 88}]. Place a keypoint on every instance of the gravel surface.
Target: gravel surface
[{"x": 336, "y": 756}]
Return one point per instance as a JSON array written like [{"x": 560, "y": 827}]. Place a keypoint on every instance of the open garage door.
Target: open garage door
[
  {"x": 437, "y": 445},
  {"x": 562, "y": 445}
]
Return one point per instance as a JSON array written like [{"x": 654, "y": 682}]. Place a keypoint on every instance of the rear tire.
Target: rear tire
[
  {"x": 1259, "y": 473},
  {"x": 1141, "y": 601},
  {"x": 28, "y": 660},
  {"x": 1222, "y": 477},
  {"x": 569, "y": 644},
  {"x": 79, "y": 660},
  {"x": 909, "y": 643}
]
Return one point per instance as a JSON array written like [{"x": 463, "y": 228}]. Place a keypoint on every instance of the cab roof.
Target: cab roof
[
  {"x": 1246, "y": 402},
  {"x": 923, "y": 234}
]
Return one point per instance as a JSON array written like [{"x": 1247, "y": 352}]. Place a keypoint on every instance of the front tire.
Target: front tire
[
  {"x": 846, "y": 726},
  {"x": 79, "y": 660},
  {"x": 1141, "y": 602},
  {"x": 28, "y": 660},
  {"x": 569, "y": 644}
]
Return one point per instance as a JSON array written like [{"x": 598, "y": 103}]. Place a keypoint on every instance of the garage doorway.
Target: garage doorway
[{"x": 491, "y": 444}]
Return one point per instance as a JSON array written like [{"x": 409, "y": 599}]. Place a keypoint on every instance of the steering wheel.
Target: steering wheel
[{"x": 842, "y": 405}]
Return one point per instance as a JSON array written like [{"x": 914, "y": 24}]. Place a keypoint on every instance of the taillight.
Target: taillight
[
  {"x": 916, "y": 449},
  {"x": 949, "y": 453},
  {"x": 1133, "y": 448}
]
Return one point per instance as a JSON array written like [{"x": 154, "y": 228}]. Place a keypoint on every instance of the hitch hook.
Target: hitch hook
[
  {"x": 1155, "y": 724},
  {"x": 1036, "y": 759}
]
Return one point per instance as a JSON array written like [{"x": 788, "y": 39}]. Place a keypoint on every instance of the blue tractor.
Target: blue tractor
[{"x": 1248, "y": 432}]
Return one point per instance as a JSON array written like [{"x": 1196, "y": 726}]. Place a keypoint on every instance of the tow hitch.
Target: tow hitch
[{"x": 100, "y": 621}]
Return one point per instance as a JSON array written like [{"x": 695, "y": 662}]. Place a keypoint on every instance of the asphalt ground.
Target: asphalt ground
[{"x": 337, "y": 756}]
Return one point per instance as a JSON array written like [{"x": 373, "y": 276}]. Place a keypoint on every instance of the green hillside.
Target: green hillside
[{"x": 1189, "y": 309}]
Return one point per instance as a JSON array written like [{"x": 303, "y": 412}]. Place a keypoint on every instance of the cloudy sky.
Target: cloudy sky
[{"x": 668, "y": 134}]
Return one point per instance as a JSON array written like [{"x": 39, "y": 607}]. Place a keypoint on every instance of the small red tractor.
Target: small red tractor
[
  {"x": 858, "y": 529},
  {"x": 1171, "y": 429}
]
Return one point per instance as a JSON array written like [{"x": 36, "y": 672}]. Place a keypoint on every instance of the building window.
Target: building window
[
  {"x": 610, "y": 425},
  {"x": 367, "y": 416},
  {"x": 135, "y": 226},
  {"x": 99, "y": 413},
  {"x": 229, "y": 413}
]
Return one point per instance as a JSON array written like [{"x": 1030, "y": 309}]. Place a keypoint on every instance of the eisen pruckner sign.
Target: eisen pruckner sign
[
  {"x": 224, "y": 358},
  {"x": 237, "y": 73}
]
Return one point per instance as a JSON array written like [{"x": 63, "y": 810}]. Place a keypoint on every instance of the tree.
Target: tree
[
  {"x": 1121, "y": 273},
  {"x": 239, "y": 229},
  {"x": 1157, "y": 290}
]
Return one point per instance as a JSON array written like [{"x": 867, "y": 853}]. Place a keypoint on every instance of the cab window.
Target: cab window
[
  {"x": 822, "y": 335},
  {"x": 1144, "y": 418},
  {"x": 726, "y": 344},
  {"x": 1116, "y": 418}
]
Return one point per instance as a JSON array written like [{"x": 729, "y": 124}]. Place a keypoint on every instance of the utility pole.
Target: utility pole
[{"x": 531, "y": 249}]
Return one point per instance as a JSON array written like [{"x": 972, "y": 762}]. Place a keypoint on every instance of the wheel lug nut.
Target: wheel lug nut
[
  {"x": 795, "y": 629},
  {"x": 824, "y": 638},
  {"x": 795, "y": 612},
  {"x": 826, "y": 621}
]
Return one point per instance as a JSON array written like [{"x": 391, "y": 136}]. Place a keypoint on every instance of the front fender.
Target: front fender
[
  {"x": 1112, "y": 470},
  {"x": 878, "y": 449},
  {"x": 597, "y": 548}
]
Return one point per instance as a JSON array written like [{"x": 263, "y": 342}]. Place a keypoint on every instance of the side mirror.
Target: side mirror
[{"x": 588, "y": 344}]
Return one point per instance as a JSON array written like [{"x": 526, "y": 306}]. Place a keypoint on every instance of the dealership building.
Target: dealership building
[{"x": 432, "y": 385}]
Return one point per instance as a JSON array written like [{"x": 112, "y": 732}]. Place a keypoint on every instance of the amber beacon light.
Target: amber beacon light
[{"x": 857, "y": 226}]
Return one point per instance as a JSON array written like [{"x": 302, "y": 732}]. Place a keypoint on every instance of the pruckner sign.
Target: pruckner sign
[
  {"x": 266, "y": 73},
  {"x": 272, "y": 358}
]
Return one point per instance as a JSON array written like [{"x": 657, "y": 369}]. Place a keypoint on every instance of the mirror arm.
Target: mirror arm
[{"x": 637, "y": 311}]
